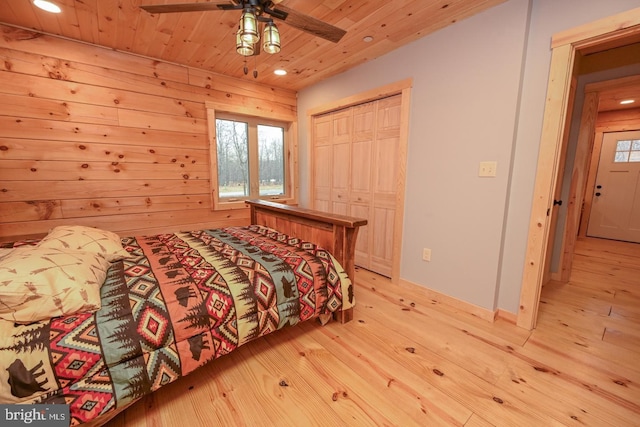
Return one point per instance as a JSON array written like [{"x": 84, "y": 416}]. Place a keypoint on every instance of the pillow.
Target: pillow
[
  {"x": 86, "y": 239},
  {"x": 40, "y": 283}
]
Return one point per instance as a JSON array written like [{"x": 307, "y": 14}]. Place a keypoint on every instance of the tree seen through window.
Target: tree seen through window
[
  {"x": 271, "y": 160},
  {"x": 250, "y": 159}
]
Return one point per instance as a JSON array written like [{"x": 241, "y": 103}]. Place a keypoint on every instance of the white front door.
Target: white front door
[{"x": 615, "y": 211}]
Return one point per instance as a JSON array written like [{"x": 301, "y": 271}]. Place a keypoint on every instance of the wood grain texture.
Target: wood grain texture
[
  {"x": 335, "y": 233},
  {"x": 558, "y": 93},
  {"x": 358, "y": 158},
  {"x": 95, "y": 137},
  {"x": 408, "y": 361},
  {"x": 206, "y": 40}
]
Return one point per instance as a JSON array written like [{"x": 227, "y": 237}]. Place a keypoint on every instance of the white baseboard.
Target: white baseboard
[{"x": 466, "y": 307}]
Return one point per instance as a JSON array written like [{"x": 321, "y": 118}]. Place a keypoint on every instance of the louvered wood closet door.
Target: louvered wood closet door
[{"x": 355, "y": 172}]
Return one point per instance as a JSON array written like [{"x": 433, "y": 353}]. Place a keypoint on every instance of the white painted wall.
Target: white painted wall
[{"x": 478, "y": 94}]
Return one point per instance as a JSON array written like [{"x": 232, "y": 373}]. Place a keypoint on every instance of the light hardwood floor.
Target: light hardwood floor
[{"x": 406, "y": 360}]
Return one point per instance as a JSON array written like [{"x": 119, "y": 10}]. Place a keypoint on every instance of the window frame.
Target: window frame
[
  {"x": 631, "y": 150},
  {"x": 288, "y": 122}
]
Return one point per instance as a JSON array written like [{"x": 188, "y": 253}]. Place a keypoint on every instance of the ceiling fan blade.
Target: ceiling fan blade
[
  {"x": 189, "y": 7},
  {"x": 308, "y": 24}
]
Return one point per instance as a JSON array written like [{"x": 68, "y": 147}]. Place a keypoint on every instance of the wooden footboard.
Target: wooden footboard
[{"x": 335, "y": 233}]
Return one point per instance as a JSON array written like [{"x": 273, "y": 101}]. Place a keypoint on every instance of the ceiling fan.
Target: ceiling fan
[{"x": 254, "y": 11}]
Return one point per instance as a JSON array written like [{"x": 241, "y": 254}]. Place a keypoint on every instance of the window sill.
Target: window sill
[{"x": 223, "y": 205}]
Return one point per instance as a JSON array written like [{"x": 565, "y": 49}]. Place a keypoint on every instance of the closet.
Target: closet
[{"x": 355, "y": 162}]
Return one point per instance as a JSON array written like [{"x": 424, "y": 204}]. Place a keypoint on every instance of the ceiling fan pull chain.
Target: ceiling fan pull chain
[{"x": 255, "y": 68}]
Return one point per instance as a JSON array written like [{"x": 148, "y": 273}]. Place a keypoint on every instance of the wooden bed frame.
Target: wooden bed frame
[{"x": 335, "y": 233}]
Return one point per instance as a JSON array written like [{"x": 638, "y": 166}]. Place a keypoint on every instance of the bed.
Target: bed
[{"x": 149, "y": 310}]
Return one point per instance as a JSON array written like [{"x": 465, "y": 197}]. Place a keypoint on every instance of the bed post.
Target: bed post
[{"x": 335, "y": 233}]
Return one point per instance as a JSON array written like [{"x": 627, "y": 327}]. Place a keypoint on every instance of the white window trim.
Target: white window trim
[{"x": 291, "y": 155}]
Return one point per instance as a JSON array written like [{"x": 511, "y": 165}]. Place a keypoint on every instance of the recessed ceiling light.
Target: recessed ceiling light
[
  {"x": 47, "y": 5},
  {"x": 280, "y": 72},
  {"x": 367, "y": 39},
  {"x": 627, "y": 101}
]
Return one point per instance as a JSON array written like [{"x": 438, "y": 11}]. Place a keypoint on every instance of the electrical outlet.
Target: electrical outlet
[
  {"x": 426, "y": 254},
  {"x": 488, "y": 169}
]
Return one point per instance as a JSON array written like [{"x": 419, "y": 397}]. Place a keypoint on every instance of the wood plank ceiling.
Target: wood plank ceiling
[{"x": 206, "y": 40}]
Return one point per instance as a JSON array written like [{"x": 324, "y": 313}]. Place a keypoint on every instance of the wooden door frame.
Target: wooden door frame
[
  {"x": 564, "y": 46},
  {"x": 402, "y": 88}
]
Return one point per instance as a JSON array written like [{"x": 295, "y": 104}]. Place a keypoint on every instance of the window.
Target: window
[
  {"x": 627, "y": 151},
  {"x": 251, "y": 158}
]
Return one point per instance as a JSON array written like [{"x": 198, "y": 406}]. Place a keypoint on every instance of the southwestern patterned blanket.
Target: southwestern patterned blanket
[{"x": 176, "y": 303}]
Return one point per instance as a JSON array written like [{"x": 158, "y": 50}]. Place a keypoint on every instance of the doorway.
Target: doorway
[
  {"x": 611, "y": 32},
  {"x": 601, "y": 112}
]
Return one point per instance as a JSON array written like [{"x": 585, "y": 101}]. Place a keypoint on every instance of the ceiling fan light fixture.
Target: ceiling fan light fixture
[
  {"x": 256, "y": 17},
  {"x": 47, "y": 6},
  {"x": 249, "y": 26},
  {"x": 242, "y": 47},
  {"x": 271, "y": 38}
]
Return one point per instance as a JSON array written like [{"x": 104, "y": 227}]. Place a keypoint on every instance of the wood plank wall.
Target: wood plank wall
[
  {"x": 96, "y": 137},
  {"x": 618, "y": 121}
]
